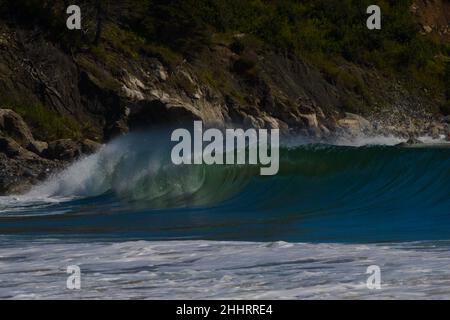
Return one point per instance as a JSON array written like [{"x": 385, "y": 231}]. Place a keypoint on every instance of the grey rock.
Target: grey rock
[
  {"x": 410, "y": 142},
  {"x": 310, "y": 120},
  {"x": 37, "y": 147},
  {"x": 434, "y": 132},
  {"x": 18, "y": 174},
  {"x": 64, "y": 149},
  {"x": 13, "y": 125},
  {"x": 9, "y": 147},
  {"x": 12, "y": 149},
  {"x": 355, "y": 124},
  {"x": 88, "y": 146}
]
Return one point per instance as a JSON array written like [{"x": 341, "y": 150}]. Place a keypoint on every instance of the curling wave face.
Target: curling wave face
[{"x": 130, "y": 189}]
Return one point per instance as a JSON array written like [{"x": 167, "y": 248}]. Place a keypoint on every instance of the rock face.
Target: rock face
[
  {"x": 434, "y": 16},
  {"x": 410, "y": 142},
  {"x": 64, "y": 149},
  {"x": 280, "y": 91},
  {"x": 12, "y": 124},
  {"x": 89, "y": 146},
  {"x": 11, "y": 148},
  {"x": 25, "y": 161},
  {"x": 37, "y": 147},
  {"x": 69, "y": 150},
  {"x": 20, "y": 168},
  {"x": 18, "y": 175},
  {"x": 355, "y": 124}
]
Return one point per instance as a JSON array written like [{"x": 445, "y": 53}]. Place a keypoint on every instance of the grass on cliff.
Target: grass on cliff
[
  {"x": 330, "y": 28},
  {"x": 328, "y": 33},
  {"x": 47, "y": 125},
  {"x": 445, "y": 109}
]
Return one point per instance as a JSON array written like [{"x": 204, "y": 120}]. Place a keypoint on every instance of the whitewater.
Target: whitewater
[{"x": 140, "y": 227}]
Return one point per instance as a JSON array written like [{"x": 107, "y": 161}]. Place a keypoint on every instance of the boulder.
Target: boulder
[
  {"x": 355, "y": 124},
  {"x": 427, "y": 29},
  {"x": 64, "y": 149},
  {"x": 13, "y": 125},
  {"x": 9, "y": 147},
  {"x": 116, "y": 129},
  {"x": 410, "y": 142},
  {"x": 14, "y": 150},
  {"x": 433, "y": 132},
  {"x": 19, "y": 174},
  {"x": 310, "y": 120},
  {"x": 89, "y": 147},
  {"x": 325, "y": 131},
  {"x": 250, "y": 121},
  {"x": 37, "y": 147},
  {"x": 273, "y": 123}
]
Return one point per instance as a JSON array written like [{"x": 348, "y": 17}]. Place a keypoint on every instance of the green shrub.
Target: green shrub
[
  {"x": 447, "y": 79},
  {"x": 243, "y": 65},
  {"x": 323, "y": 31},
  {"x": 46, "y": 124}
]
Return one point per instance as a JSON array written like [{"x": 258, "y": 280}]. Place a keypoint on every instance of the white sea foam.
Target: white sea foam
[
  {"x": 223, "y": 270},
  {"x": 360, "y": 141},
  {"x": 131, "y": 166}
]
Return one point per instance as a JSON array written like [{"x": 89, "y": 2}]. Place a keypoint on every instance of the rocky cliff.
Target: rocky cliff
[{"x": 433, "y": 16}]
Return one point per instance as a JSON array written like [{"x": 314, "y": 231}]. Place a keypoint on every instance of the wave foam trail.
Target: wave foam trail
[{"x": 224, "y": 270}]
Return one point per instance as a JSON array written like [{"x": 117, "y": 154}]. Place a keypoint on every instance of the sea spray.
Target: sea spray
[{"x": 235, "y": 146}]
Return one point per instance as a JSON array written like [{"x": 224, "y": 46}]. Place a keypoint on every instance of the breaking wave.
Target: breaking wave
[{"x": 321, "y": 193}]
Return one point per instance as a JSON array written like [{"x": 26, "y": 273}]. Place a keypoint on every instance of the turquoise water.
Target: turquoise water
[{"x": 323, "y": 193}]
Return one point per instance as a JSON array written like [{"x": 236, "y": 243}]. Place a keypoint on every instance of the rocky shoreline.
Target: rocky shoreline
[{"x": 25, "y": 161}]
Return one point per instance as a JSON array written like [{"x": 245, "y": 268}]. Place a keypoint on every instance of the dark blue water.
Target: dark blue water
[{"x": 321, "y": 194}]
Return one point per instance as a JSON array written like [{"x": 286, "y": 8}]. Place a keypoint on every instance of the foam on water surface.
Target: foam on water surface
[{"x": 223, "y": 270}]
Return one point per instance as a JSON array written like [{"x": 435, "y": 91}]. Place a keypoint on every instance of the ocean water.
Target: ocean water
[{"x": 140, "y": 227}]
